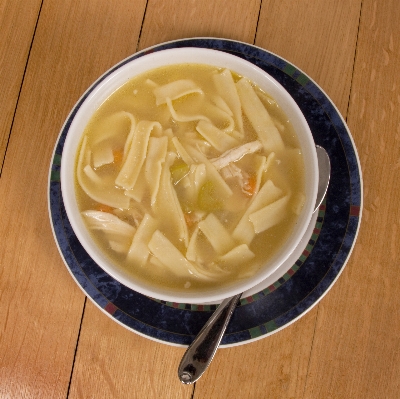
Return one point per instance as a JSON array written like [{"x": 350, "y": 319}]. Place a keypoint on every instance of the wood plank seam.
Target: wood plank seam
[
  {"x": 345, "y": 117},
  {"x": 141, "y": 26},
  {"x": 311, "y": 350},
  {"x": 76, "y": 348},
  {"x": 354, "y": 62},
  {"x": 258, "y": 20},
  {"x": 20, "y": 89},
  {"x": 194, "y": 388}
]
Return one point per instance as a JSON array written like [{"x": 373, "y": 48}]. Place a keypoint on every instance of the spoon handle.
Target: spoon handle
[{"x": 201, "y": 351}]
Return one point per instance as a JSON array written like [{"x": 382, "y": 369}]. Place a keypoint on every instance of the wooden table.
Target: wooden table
[{"x": 54, "y": 343}]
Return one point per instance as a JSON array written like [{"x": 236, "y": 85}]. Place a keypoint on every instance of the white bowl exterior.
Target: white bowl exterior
[{"x": 116, "y": 79}]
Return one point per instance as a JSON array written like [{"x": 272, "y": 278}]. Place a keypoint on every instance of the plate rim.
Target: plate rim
[{"x": 234, "y": 42}]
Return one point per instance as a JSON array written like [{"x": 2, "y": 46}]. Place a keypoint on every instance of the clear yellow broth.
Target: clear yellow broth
[{"x": 286, "y": 171}]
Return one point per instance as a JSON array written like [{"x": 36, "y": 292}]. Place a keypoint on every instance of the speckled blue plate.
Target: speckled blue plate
[{"x": 300, "y": 285}]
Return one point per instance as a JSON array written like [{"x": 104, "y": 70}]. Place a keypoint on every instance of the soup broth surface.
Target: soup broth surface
[{"x": 190, "y": 177}]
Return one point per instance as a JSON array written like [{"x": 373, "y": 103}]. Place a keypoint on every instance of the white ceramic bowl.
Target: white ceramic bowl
[{"x": 115, "y": 78}]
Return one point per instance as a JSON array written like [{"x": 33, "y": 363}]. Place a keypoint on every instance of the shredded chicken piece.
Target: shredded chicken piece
[
  {"x": 231, "y": 171},
  {"x": 236, "y": 153},
  {"x": 132, "y": 216}
]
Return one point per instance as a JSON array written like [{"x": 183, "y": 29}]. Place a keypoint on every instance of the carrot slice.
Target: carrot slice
[
  {"x": 118, "y": 155},
  {"x": 250, "y": 186},
  {"x": 104, "y": 208}
]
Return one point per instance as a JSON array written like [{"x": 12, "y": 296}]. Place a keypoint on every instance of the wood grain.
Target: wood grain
[
  {"x": 178, "y": 19},
  {"x": 41, "y": 306},
  {"x": 17, "y": 21},
  {"x": 274, "y": 367},
  {"x": 113, "y": 362},
  {"x": 319, "y": 37},
  {"x": 362, "y": 318}
]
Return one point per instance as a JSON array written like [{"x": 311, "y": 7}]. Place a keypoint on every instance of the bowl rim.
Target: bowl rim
[{"x": 103, "y": 87}]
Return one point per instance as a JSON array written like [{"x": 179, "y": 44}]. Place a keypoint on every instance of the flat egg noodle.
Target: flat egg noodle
[{"x": 101, "y": 191}]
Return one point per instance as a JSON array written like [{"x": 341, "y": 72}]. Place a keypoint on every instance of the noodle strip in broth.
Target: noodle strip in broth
[
  {"x": 136, "y": 156},
  {"x": 226, "y": 88},
  {"x": 101, "y": 190},
  {"x": 259, "y": 117}
]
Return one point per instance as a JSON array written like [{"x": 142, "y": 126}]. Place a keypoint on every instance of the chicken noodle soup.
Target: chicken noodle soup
[{"x": 189, "y": 176}]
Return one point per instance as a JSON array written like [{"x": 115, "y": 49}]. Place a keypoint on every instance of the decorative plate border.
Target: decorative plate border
[{"x": 299, "y": 288}]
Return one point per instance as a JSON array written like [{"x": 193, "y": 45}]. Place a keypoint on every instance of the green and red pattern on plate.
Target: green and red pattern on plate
[{"x": 299, "y": 286}]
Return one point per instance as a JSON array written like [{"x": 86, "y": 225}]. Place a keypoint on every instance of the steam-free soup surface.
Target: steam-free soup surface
[{"x": 189, "y": 177}]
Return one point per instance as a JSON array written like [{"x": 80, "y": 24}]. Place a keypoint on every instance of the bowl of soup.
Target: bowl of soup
[{"x": 188, "y": 175}]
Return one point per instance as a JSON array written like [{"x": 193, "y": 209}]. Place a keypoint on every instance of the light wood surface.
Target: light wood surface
[
  {"x": 54, "y": 343},
  {"x": 18, "y": 22}
]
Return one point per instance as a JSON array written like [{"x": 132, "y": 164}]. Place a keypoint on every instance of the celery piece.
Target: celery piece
[
  {"x": 178, "y": 171},
  {"x": 207, "y": 199}
]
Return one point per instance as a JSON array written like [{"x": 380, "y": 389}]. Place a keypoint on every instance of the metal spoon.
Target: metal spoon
[
  {"x": 201, "y": 351},
  {"x": 324, "y": 167}
]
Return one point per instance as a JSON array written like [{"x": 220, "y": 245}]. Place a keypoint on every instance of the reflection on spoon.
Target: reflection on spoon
[
  {"x": 201, "y": 351},
  {"x": 324, "y": 167}
]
